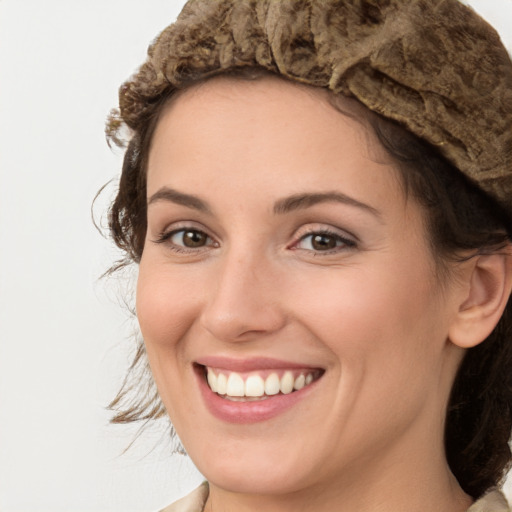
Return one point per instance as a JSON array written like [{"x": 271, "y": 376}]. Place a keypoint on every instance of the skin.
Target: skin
[{"x": 369, "y": 311}]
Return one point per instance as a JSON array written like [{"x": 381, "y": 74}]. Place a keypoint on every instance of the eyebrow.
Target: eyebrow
[
  {"x": 303, "y": 201},
  {"x": 282, "y": 206},
  {"x": 173, "y": 196}
]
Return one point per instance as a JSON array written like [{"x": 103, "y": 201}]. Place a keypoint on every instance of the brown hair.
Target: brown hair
[{"x": 460, "y": 216}]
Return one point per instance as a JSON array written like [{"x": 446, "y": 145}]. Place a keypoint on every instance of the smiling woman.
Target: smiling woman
[{"x": 319, "y": 205}]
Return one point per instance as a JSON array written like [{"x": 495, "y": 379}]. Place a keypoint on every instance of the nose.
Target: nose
[{"x": 244, "y": 301}]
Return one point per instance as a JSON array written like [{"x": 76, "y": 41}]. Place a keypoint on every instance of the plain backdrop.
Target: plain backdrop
[{"x": 63, "y": 331}]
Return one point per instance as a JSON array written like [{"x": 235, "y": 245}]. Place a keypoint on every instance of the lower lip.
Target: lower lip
[{"x": 248, "y": 412}]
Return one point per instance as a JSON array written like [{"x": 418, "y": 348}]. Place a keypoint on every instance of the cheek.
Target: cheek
[
  {"x": 165, "y": 304},
  {"x": 166, "y": 308},
  {"x": 387, "y": 338},
  {"x": 379, "y": 318}
]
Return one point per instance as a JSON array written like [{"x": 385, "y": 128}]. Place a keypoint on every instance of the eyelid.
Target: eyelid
[
  {"x": 319, "y": 227},
  {"x": 164, "y": 236},
  {"x": 349, "y": 241}
]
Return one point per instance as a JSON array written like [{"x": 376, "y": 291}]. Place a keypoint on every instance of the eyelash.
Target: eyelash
[
  {"x": 342, "y": 243},
  {"x": 165, "y": 237}
]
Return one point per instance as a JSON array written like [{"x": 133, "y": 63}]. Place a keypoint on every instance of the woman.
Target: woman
[{"x": 317, "y": 196}]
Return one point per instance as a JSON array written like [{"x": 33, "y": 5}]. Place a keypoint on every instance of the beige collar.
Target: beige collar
[{"x": 196, "y": 500}]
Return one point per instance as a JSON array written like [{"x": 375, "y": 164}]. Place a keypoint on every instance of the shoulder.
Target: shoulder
[
  {"x": 193, "y": 502},
  {"x": 491, "y": 502}
]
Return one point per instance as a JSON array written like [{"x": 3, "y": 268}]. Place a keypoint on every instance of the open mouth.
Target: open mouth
[{"x": 258, "y": 385}]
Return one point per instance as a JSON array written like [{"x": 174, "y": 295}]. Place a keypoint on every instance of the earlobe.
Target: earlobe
[{"x": 489, "y": 284}]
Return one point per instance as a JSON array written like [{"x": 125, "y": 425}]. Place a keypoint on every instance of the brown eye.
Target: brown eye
[
  {"x": 190, "y": 238},
  {"x": 186, "y": 240},
  {"x": 323, "y": 242}
]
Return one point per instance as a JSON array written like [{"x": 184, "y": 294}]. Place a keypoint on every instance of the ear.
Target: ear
[{"x": 487, "y": 286}]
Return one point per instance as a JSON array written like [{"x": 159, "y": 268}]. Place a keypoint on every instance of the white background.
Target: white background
[{"x": 63, "y": 333}]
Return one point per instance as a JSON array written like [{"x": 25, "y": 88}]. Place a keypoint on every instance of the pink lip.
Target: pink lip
[
  {"x": 247, "y": 412},
  {"x": 249, "y": 365}
]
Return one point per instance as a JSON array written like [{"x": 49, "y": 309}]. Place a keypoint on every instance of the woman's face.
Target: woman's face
[{"x": 281, "y": 252}]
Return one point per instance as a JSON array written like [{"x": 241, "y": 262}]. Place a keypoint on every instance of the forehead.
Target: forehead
[
  {"x": 209, "y": 98},
  {"x": 269, "y": 122}
]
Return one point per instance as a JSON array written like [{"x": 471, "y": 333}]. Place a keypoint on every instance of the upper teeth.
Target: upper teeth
[{"x": 233, "y": 384}]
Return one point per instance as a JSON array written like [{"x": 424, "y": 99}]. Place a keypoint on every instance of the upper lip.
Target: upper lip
[{"x": 250, "y": 364}]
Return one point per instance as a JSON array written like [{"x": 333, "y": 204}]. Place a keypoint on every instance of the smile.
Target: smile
[
  {"x": 244, "y": 391},
  {"x": 258, "y": 385}
]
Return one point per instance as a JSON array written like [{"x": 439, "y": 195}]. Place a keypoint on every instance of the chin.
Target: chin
[{"x": 266, "y": 480}]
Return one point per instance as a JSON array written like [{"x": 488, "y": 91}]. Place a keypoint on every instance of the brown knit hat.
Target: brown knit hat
[{"x": 432, "y": 65}]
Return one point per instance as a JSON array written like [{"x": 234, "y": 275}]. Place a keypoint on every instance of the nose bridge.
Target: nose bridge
[{"x": 242, "y": 301}]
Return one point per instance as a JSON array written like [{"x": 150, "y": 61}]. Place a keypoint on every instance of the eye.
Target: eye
[
  {"x": 185, "y": 239},
  {"x": 324, "y": 241},
  {"x": 189, "y": 238}
]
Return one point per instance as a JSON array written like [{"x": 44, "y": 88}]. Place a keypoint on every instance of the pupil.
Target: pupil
[
  {"x": 194, "y": 239},
  {"x": 323, "y": 242}
]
